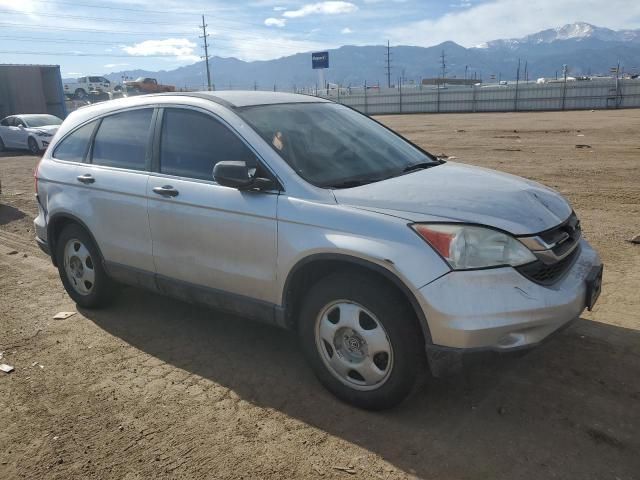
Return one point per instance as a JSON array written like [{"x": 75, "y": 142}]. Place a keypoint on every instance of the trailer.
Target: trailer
[{"x": 31, "y": 89}]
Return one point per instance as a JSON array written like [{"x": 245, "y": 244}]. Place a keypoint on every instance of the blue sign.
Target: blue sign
[{"x": 320, "y": 60}]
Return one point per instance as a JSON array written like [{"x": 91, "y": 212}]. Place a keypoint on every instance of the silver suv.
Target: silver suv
[{"x": 305, "y": 214}]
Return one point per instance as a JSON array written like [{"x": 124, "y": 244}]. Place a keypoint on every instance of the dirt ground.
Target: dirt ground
[{"x": 156, "y": 388}]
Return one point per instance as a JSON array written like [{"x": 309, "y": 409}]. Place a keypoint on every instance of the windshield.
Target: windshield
[
  {"x": 40, "y": 120},
  {"x": 330, "y": 145}
]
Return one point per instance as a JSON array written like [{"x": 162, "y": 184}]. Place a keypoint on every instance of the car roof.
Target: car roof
[{"x": 247, "y": 98}]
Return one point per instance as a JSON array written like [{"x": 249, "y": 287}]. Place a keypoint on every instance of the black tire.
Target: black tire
[
  {"x": 33, "y": 146},
  {"x": 2, "y": 147},
  {"x": 80, "y": 93},
  {"x": 103, "y": 288},
  {"x": 398, "y": 320}
]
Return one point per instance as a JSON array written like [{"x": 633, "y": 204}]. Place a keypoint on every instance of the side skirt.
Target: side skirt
[{"x": 218, "y": 299}]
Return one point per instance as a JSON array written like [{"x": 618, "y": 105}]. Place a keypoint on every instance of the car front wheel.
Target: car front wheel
[
  {"x": 361, "y": 339},
  {"x": 33, "y": 146}
]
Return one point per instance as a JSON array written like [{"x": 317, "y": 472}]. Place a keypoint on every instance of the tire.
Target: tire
[
  {"x": 2, "y": 147},
  {"x": 339, "y": 354},
  {"x": 33, "y": 146},
  {"x": 80, "y": 93},
  {"x": 81, "y": 270}
]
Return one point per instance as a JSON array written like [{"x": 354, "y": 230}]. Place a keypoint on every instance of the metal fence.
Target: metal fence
[{"x": 571, "y": 95}]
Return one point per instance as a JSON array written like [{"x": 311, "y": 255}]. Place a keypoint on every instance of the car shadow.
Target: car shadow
[
  {"x": 565, "y": 409},
  {"x": 9, "y": 214}
]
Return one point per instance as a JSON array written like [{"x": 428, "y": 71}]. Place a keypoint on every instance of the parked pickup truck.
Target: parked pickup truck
[
  {"x": 83, "y": 85},
  {"x": 147, "y": 85}
]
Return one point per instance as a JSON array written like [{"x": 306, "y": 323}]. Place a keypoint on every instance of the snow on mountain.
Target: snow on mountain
[{"x": 572, "y": 31}]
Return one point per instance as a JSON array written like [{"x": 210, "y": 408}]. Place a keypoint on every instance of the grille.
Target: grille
[
  {"x": 567, "y": 234},
  {"x": 544, "y": 274}
]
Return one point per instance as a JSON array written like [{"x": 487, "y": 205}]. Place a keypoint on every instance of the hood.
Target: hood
[
  {"x": 457, "y": 192},
  {"x": 52, "y": 129}
]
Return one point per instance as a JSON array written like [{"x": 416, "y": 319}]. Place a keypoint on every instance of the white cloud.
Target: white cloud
[
  {"x": 248, "y": 49},
  {"x": 275, "y": 22},
  {"x": 279, "y": 9},
  {"x": 19, "y": 6},
  {"x": 346, "y": 31},
  {"x": 114, "y": 65},
  {"x": 181, "y": 48},
  {"x": 324, "y": 8},
  {"x": 514, "y": 18}
]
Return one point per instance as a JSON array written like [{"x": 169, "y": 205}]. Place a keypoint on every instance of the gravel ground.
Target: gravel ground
[{"x": 156, "y": 388}]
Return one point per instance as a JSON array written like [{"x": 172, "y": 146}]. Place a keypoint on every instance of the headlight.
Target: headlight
[{"x": 466, "y": 247}]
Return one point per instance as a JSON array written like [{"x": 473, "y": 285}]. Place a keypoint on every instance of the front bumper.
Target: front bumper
[
  {"x": 43, "y": 142},
  {"x": 501, "y": 310}
]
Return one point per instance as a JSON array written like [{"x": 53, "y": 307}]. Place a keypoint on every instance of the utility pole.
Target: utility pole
[
  {"x": 388, "y": 67},
  {"x": 515, "y": 101},
  {"x": 526, "y": 71},
  {"x": 565, "y": 70},
  {"x": 206, "y": 51},
  {"x": 443, "y": 65}
]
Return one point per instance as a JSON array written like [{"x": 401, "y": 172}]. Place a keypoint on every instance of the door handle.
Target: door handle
[
  {"x": 86, "y": 178},
  {"x": 166, "y": 191}
]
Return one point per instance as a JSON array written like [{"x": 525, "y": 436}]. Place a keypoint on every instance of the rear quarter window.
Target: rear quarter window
[
  {"x": 74, "y": 147},
  {"x": 122, "y": 140}
]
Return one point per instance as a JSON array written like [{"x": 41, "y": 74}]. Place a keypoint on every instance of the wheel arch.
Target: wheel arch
[
  {"x": 312, "y": 268},
  {"x": 55, "y": 225}
]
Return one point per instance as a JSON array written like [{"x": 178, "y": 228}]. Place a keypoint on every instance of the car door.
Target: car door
[
  {"x": 205, "y": 235},
  {"x": 5, "y": 133},
  {"x": 21, "y": 135},
  {"x": 13, "y": 134},
  {"x": 114, "y": 182}
]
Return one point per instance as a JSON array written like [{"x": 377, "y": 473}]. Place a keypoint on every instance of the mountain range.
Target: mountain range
[{"x": 585, "y": 48}]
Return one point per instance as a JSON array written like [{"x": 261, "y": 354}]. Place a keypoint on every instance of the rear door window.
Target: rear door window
[
  {"x": 74, "y": 147},
  {"x": 5, "y": 122},
  {"x": 122, "y": 140},
  {"x": 192, "y": 143}
]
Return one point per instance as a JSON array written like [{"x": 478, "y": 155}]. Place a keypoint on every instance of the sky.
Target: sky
[{"x": 88, "y": 37}]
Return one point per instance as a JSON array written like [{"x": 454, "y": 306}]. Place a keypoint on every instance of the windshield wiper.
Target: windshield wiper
[
  {"x": 419, "y": 166},
  {"x": 353, "y": 183}
]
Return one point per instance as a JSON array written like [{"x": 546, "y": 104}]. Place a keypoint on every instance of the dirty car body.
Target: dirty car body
[{"x": 459, "y": 258}]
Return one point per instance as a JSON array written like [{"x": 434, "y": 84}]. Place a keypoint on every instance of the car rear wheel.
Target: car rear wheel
[
  {"x": 80, "y": 268},
  {"x": 361, "y": 339},
  {"x": 2, "y": 147},
  {"x": 33, "y": 146}
]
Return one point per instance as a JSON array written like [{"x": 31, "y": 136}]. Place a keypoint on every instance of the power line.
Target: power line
[
  {"x": 140, "y": 10},
  {"x": 83, "y": 17},
  {"x": 89, "y": 30},
  {"x": 82, "y": 54},
  {"x": 109, "y": 7},
  {"x": 206, "y": 52}
]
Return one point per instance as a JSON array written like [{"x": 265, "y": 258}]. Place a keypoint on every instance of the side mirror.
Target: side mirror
[{"x": 236, "y": 174}]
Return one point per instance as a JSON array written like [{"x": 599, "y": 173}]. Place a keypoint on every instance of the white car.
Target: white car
[
  {"x": 28, "y": 132},
  {"x": 83, "y": 85}
]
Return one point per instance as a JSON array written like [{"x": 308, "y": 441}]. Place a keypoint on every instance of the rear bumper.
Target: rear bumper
[{"x": 501, "y": 310}]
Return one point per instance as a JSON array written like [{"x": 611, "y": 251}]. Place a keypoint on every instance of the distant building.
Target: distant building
[
  {"x": 31, "y": 89},
  {"x": 449, "y": 81}
]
